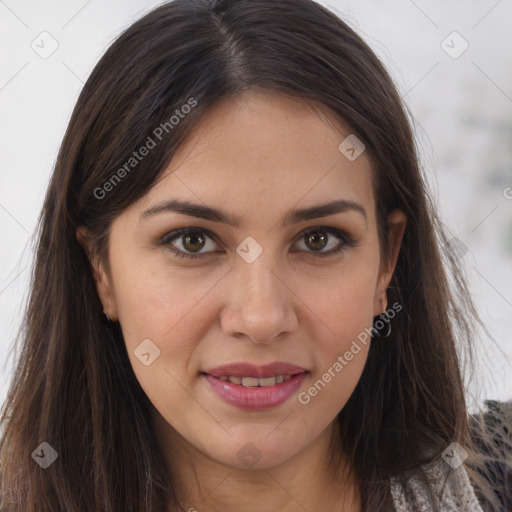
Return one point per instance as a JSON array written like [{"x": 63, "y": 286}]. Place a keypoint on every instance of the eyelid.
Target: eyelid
[
  {"x": 177, "y": 233},
  {"x": 345, "y": 241},
  {"x": 338, "y": 233},
  {"x": 172, "y": 235}
]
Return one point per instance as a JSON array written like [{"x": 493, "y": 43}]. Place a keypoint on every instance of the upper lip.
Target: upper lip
[{"x": 253, "y": 370}]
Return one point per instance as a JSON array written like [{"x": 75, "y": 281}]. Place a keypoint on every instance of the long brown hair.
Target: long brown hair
[{"x": 74, "y": 387}]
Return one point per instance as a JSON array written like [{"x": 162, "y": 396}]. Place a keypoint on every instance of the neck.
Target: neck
[{"x": 308, "y": 481}]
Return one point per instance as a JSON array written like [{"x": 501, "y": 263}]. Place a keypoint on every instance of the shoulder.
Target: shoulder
[{"x": 448, "y": 487}]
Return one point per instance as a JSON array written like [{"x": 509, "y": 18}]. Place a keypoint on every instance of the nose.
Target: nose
[{"x": 261, "y": 306}]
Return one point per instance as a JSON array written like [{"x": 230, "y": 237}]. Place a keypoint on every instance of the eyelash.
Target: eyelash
[{"x": 346, "y": 241}]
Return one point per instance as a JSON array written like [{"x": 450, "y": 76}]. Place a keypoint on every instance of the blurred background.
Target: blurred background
[{"x": 451, "y": 61}]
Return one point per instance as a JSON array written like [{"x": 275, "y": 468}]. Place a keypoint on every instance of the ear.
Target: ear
[
  {"x": 396, "y": 222},
  {"x": 101, "y": 278}
]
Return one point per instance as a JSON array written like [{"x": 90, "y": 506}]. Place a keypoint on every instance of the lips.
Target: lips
[{"x": 252, "y": 387}]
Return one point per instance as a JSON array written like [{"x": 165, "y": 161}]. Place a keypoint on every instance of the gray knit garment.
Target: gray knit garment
[{"x": 452, "y": 489}]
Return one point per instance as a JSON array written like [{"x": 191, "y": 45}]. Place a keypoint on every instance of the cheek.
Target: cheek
[
  {"x": 343, "y": 301},
  {"x": 154, "y": 300},
  {"x": 345, "y": 313},
  {"x": 334, "y": 379},
  {"x": 157, "y": 304}
]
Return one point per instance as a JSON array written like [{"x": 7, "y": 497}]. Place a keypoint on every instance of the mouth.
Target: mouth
[
  {"x": 251, "y": 387},
  {"x": 254, "y": 382}
]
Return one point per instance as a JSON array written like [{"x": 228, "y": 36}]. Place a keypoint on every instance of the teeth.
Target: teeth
[
  {"x": 268, "y": 381},
  {"x": 252, "y": 382}
]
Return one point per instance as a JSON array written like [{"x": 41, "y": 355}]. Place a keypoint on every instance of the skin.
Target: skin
[{"x": 256, "y": 156}]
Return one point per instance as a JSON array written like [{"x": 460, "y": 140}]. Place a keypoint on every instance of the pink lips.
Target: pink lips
[{"x": 258, "y": 397}]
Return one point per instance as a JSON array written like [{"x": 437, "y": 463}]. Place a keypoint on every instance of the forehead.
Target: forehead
[{"x": 266, "y": 151}]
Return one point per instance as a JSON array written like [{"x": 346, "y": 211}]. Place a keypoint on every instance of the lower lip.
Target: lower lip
[{"x": 254, "y": 398}]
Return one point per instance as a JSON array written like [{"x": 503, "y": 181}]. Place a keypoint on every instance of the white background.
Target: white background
[{"x": 462, "y": 107}]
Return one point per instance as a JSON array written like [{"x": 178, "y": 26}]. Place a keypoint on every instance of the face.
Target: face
[{"x": 231, "y": 318}]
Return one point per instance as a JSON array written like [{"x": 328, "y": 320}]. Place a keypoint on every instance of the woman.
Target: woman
[{"x": 239, "y": 300}]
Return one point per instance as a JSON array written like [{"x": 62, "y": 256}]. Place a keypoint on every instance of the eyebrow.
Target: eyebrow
[{"x": 219, "y": 215}]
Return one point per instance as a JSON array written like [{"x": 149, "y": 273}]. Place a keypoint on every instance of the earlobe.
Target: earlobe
[{"x": 101, "y": 278}]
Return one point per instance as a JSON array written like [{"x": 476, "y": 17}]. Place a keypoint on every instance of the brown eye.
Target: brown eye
[
  {"x": 189, "y": 243},
  {"x": 193, "y": 242},
  {"x": 316, "y": 240}
]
